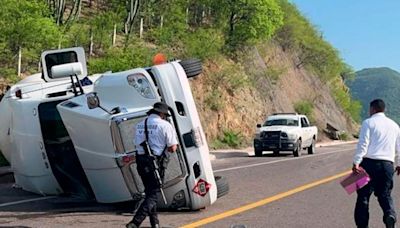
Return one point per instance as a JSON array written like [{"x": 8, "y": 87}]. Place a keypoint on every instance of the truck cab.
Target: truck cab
[
  {"x": 99, "y": 141},
  {"x": 285, "y": 132}
]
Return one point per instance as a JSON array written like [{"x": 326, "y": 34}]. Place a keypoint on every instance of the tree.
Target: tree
[
  {"x": 246, "y": 21},
  {"x": 26, "y": 29},
  {"x": 132, "y": 7},
  {"x": 59, "y": 12},
  {"x": 347, "y": 73},
  {"x": 102, "y": 26},
  {"x": 174, "y": 26}
]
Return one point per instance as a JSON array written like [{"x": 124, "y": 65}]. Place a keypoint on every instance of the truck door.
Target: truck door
[{"x": 305, "y": 125}]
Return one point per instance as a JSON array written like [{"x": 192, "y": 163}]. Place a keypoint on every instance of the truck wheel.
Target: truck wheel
[
  {"x": 276, "y": 152},
  {"x": 222, "y": 186},
  {"x": 258, "y": 152},
  {"x": 192, "y": 67},
  {"x": 297, "y": 151},
  {"x": 311, "y": 148}
]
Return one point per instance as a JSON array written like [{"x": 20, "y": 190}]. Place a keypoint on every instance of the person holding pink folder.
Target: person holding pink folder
[{"x": 378, "y": 145}]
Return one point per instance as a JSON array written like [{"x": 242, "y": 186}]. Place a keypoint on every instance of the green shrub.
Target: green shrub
[
  {"x": 174, "y": 27},
  {"x": 343, "y": 98},
  {"x": 214, "y": 100},
  {"x": 203, "y": 43},
  {"x": 232, "y": 77},
  {"x": 217, "y": 144},
  {"x": 344, "y": 136},
  {"x": 274, "y": 72},
  {"x": 115, "y": 59},
  {"x": 9, "y": 74},
  {"x": 231, "y": 138},
  {"x": 305, "y": 108}
]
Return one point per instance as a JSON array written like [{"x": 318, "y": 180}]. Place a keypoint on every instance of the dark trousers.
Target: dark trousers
[
  {"x": 381, "y": 174},
  {"x": 145, "y": 168}
]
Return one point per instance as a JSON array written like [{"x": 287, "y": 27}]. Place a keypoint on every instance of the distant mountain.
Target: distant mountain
[{"x": 373, "y": 83}]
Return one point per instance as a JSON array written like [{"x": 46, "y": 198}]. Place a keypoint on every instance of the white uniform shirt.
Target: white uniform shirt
[
  {"x": 379, "y": 139},
  {"x": 161, "y": 134}
]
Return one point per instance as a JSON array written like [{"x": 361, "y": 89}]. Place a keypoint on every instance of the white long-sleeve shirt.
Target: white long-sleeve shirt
[{"x": 379, "y": 139}]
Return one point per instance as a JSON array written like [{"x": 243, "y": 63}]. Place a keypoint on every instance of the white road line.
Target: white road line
[
  {"x": 281, "y": 160},
  {"x": 27, "y": 201}
]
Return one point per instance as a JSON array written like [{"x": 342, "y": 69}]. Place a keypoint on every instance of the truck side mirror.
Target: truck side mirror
[
  {"x": 93, "y": 100},
  {"x": 258, "y": 125},
  {"x": 66, "y": 70},
  {"x": 52, "y": 58}
]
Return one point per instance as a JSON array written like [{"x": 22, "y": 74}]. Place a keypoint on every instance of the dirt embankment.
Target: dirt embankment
[{"x": 275, "y": 85}]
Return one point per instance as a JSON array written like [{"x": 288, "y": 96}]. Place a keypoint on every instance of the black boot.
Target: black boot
[
  {"x": 154, "y": 223},
  {"x": 131, "y": 224},
  {"x": 390, "y": 221}
]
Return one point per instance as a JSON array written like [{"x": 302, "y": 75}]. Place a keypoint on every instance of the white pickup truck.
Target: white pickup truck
[{"x": 285, "y": 132}]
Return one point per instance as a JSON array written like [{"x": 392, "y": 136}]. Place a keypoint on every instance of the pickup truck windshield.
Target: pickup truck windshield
[{"x": 282, "y": 122}]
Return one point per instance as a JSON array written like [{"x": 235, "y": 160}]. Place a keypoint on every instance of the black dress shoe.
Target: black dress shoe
[{"x": 390, "y": 221}]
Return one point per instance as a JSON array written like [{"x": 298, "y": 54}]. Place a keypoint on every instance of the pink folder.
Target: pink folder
[{"x": 355, "y": 181}]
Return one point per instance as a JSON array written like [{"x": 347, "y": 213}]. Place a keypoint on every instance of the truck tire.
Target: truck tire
[
  {"x": 222, "y": 186},
  {"x": 276, "y": 152},
  {"x": 192, "y": 67},
  {"x": 311, "y": 148},
  {"x": 258, "y": 152},
  {"x": 297, "y": 151}
]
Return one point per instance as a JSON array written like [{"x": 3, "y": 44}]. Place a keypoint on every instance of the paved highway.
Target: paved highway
[{"x": 265, "y": 191}]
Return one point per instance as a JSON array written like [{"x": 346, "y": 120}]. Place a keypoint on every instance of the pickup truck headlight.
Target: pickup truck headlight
[{"x": 292, "y": 136}]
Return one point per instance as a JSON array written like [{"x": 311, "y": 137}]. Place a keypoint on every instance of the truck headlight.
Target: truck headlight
[
  {"x": 142, "y": 85},
  {"x": 292, "y": 136}
]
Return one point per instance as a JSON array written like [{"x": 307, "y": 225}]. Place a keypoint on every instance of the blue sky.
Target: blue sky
[{"x": 366, "y": 32}]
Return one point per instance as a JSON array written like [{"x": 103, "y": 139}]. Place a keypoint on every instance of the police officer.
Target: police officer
[{"x": 161, "y": 138}]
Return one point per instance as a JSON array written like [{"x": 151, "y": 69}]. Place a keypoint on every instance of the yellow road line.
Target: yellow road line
[{"x": 264, "y": 201}]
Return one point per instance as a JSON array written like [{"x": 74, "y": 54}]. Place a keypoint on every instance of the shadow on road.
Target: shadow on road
[
  {"x": 271, "y": 155},
  {"x": 221, "y": 155},
  {"x": 60, "y": 205}
]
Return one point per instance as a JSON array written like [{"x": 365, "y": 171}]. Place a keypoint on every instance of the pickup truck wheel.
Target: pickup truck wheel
[
  {"x": 311, "y": 148},
  {"x": 297, "y": 151},
  {"x": 276, "y": 152},
  {"x": 258, "y": 152},
  {"x": 222, "y": 186},
  {"x": 192, "y": 67}
]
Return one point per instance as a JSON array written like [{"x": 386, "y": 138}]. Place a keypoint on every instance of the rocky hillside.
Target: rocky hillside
[
  {"x": 275, "y": 85},
  {"x": 373, "y": 83}
]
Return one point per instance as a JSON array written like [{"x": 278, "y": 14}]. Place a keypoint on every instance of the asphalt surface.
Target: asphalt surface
[{"x": 251, "y": 179}]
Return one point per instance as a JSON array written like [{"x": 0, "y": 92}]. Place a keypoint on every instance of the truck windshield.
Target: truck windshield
[{"x": 282, "y": 122}]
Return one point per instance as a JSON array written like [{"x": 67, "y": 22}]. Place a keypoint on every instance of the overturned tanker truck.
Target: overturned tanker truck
[{"x": 58, "y": 142}]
